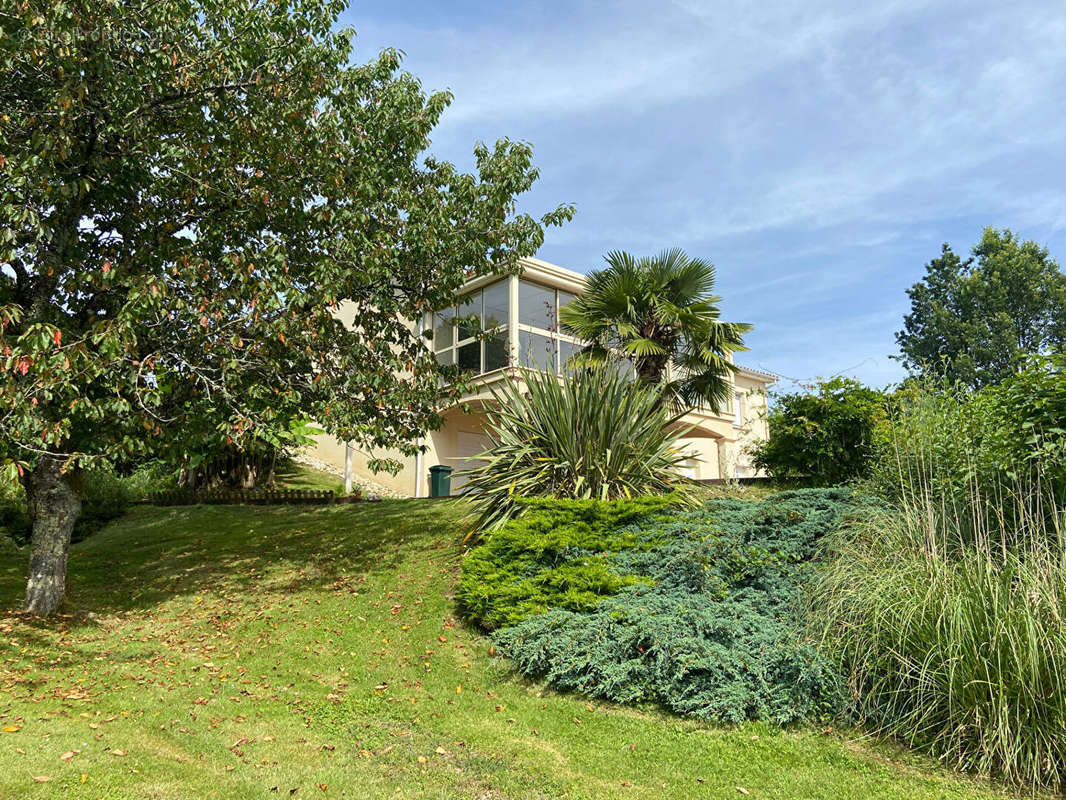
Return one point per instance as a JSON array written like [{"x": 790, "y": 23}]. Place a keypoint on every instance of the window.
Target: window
[
  {"x": 536, "y": 306},
  {"x": 496, "y": 346},
  {"x": 567, "y": 350},
  {"x": 469, "y": 357},
  {"x": 540, "y": 344},
  {"x": 738, "y": 408},
  {"x": 497, "y": 305},
  {"x": 473, "y": 335},
  {"x": 536, "y": 351},
  {"x": 469, "y": 314},
  {"x": 476, "y": 335},
  {"x": 443, "y": 331},
  {"x": 565, "y": 297}
]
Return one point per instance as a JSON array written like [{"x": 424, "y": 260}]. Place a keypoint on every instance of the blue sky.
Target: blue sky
[{"x": 817, "y": 152}]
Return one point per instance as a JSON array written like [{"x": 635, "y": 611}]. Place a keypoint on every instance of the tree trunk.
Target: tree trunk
[
  {"x": 650, "y": 372},
  {"x": 54, "y": 500}
]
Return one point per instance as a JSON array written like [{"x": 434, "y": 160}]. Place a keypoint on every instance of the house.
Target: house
[{"x": 519, "y": 314}]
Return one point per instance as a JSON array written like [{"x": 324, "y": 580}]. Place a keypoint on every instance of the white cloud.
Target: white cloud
[{"x": 817, "y": 150}]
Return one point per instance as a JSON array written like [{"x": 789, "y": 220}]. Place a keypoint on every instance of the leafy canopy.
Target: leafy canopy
[
  {"x": 660, "y": 313},
  {"x": 193, "y": 195},
  {"x": 973, "y": 321}
]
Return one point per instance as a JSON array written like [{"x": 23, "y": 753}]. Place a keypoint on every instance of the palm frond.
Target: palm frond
[{"x": 661, "y": 305}]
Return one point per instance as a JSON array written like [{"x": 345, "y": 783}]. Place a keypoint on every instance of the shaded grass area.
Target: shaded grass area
[
  {"x": 223, "y": 651},
  {"x": 291, "y": 475}
]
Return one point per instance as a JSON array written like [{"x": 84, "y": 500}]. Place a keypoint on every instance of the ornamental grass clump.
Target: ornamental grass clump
[
  {"x": 593, "y": 435},
  {"x": 953, "y": 643},
  {"x": 947, "y": 612}
]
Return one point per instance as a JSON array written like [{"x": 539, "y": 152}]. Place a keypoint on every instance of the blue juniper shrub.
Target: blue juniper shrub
[{"x": 698, "y": 611}]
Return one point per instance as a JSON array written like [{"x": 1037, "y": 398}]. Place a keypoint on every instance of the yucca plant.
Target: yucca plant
[{"x": 593, "y": 435}]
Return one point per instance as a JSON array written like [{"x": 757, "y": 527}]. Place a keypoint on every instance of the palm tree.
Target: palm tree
[{"x": 660, "y": 314}]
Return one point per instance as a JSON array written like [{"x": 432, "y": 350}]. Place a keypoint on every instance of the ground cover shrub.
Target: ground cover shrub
[
  {"x": 595, "y": 435},
  {"x": 699, "y": 611},
  {"x": 557, "y": 555}
]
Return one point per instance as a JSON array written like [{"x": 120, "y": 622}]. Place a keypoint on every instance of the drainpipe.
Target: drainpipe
[
  {"x": 418, "y": 469},
  {"x": 347, "y": 467}
]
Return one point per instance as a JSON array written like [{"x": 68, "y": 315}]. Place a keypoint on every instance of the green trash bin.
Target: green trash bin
[{"x": 440, "y": 481}]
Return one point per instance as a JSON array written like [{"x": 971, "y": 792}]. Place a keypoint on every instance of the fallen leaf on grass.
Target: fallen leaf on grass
[
  {"x": 742, "y": 790},
  {"x": 41, "y": 778},
  {"x": 68, "y": 756},
  {"x": 119, "y": 753},
  {"x": 11, "y": 728}
]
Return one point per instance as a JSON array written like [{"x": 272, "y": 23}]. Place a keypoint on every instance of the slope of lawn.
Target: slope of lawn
[{"x": 251, "y": 652}]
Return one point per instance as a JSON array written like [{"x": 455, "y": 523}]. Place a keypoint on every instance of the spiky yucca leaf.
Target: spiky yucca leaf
[{"x": 594, "y": 435}]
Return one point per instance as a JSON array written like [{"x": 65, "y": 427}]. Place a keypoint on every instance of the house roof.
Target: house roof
[{"x": 768, "y": 377}]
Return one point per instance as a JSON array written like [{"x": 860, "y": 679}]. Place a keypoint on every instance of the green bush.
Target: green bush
[
  {"x": 1011, "y": 431},
  {"x": 14, "y": 521},
  {"x": 595, "y": 435},
  {"x": 825, "y": 436},
  {"x": 555, "y": 556},
  {"x": 106, "y": 496},
  {"x": 699, "y": 611}
]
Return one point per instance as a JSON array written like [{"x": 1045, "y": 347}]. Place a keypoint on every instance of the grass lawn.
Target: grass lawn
[{"x": 251, "y": 652}]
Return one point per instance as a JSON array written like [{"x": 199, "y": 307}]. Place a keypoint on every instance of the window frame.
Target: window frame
[{"x": 510, "y": 331}]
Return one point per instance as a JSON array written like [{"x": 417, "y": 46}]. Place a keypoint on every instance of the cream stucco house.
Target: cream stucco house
[{"x": 520, "y": 314}]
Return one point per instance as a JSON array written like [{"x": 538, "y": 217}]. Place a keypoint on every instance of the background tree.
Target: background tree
[
  {"x": 659, "y": 312},
  {"x": 826, "y": 434},
  {"x": 192, "y": 194},
  {"x": 973, "y": 321}
]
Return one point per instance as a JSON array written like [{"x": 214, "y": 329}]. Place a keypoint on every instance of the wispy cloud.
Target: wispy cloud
[{"x": 818, "y": 151}]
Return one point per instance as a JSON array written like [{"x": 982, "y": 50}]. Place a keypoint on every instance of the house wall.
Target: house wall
[
  {"x": 752, "y": 427},
  {"x": 331, "y": 450}
]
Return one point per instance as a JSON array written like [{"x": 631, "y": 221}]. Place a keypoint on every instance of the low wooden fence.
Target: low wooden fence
[{"x": 253, "y": 497}]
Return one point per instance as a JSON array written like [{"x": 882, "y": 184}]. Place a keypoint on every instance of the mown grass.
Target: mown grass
[{"x": 220, "y": 652}]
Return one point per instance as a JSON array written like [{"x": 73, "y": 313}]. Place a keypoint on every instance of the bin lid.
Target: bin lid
[{"x": 440, "y": 468}]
